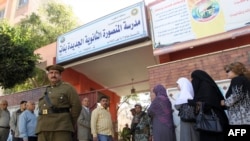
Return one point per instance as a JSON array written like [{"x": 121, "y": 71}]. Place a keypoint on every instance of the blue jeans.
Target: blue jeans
[{"x": 104, "y": 137}]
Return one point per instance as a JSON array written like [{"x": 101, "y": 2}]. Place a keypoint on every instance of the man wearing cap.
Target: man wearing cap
[
  {"x": 132, "y": 111},
  {"x": 14, "y": 121},
  {"x": 59, "y": 108}
]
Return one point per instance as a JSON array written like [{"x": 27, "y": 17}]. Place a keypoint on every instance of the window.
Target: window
[
  {"x": 2, "y": 13},
  {"x": 22, "y": 3}
]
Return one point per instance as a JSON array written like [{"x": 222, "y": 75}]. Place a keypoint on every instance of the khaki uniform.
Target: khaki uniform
[{"x": 62, "y": 96}]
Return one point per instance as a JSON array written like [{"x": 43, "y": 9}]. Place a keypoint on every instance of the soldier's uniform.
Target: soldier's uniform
[{"x": 58, "y": 113}]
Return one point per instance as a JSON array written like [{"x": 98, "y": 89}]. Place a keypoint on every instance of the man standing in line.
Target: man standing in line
[
  {"x": 14, "y": 121},
  {"x": 59, "y": 108},
  {"x": 4, "y": 120},
  {"x": 27, "y": 123},
  {"x": 101, "y": 122},
  {"x": 83, "y": 122}
]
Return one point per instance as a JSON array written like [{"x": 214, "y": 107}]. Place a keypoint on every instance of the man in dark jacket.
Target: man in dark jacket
[{"x": 14, "y": 121}]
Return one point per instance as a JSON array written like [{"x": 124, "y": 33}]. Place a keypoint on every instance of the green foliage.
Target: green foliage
[
  {"x": 39, "y": 79},
  {"x": 48, "y": 23},
  {"x": 127, "y": 100},
  {"x": 17, "y": 58},
  {"x": 18, "y": 62}
]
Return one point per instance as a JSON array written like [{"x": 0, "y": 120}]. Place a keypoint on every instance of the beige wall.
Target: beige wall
[
  {"x": 14, "y": 14},
  {"x": 47, "y": 54}
]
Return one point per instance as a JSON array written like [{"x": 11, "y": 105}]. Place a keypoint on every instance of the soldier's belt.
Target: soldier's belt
[
  {"x": 4, "y": 127},
  {"x": 53, "y": 110}
]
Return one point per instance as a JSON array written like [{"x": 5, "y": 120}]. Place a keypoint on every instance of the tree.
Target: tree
[
  {"x": 17, "y": 58},
  {"x": 43, "y": 28},
  {"x": 127, "y": 99},
  {"x": 51, "y": 20}
]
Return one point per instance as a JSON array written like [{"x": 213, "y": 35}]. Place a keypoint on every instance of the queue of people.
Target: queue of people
[
  {"x": 200, "y": 92},
  {"x": 60, "y": 104},
  {"x": 60, "y": 111}
]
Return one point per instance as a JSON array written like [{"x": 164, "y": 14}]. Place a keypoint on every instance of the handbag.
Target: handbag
[
  {"x": 186, "y": 113},
  {"x": 208, "y": 122}
]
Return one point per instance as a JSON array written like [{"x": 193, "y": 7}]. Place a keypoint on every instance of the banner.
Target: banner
[
  {"x": 178, "y": 21},
  {"x": 124, "y": 26}
]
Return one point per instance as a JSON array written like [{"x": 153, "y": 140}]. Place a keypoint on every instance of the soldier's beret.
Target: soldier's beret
[
  {"x": 138, "y": 104},
  {"x": 55, "y": 67}
]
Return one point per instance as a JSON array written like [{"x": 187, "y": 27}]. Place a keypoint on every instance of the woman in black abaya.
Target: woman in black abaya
[{"x": 206, "y": 91}]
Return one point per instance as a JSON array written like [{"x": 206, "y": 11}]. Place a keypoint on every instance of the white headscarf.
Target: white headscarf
[{"x": 186, "y": 90}]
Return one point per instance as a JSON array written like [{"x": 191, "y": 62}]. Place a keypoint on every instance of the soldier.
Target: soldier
[
  {"x": 141, "y": 125},
  {"x": 59, "y": 108}
]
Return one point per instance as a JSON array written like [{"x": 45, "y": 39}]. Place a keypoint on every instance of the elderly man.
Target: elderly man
[
  {"x": 27, "y": 123},
  {"x": 4, "y": 120},
  {"x": 83, "y": 122},
  {"x": 59, "y": 108}
]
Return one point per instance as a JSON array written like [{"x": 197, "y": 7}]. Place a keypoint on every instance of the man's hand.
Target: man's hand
[
  {"x": 95, "y": 139},
  {"x": 150, "y": 138},
  {"x": 222, "y": 102}
]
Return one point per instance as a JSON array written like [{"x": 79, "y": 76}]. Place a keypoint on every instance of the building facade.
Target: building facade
[{"x": 110, "y": 73}]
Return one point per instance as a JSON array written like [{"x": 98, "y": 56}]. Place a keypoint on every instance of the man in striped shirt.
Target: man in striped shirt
[{"x": 101, "y": 122}]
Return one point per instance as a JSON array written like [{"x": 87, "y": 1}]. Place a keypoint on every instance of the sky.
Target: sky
[{"x": 89, "y": 10}]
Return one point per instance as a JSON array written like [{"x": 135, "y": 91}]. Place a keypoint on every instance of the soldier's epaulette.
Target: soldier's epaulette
[{"x": 65, "y": 83}]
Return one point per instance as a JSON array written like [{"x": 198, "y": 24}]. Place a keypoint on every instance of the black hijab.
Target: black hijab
[{"x": 199, "y": 77}]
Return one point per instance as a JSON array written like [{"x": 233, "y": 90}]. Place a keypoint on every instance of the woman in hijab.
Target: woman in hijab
[
  {"x": 238, "y": 94},
  {"x": 207, "y": 92},
  {"x": 187, "y": 130},
  {"x": 160, "y": 111}
]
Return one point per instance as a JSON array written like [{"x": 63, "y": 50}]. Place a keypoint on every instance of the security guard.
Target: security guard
[{"x": 59, "y": 108}]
